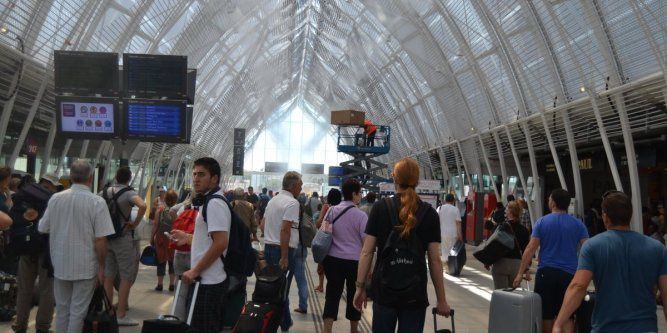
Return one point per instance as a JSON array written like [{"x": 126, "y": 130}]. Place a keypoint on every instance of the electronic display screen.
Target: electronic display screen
[
  {"x": 87, "y": 117},
  {"x": 80, "y": 73},
  {"x": 156, "y": 120},
  {"x": 155, "y": 76}
]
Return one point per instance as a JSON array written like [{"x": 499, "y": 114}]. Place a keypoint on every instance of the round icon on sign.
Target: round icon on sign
[
  {"x": 93, "y": 109},
  {"x": 84, "y": 109},
  {"x": 103, "y": 110},
  {"x": 89, "y": 123},
  {"x": 79, "y": 123},
  {"x": 107, "y": 123},
  {"x": 98, "y": 123}
]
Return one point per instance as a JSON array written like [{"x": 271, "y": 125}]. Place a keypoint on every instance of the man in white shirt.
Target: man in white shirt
[
  {"x": 209, "y": 242},
  {"x": 450, "y": 225},
  {"x": 77, "y": 222},
  {"x": 281, "y": 232}
]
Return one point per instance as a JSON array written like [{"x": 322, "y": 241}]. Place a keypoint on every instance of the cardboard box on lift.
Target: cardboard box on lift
[{"x": 347, "y": 117}]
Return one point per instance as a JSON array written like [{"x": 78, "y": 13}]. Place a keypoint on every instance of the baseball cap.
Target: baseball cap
[{"x": 51, "y": 178}]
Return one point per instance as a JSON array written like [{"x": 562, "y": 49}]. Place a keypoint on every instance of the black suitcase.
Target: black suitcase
[
  {"x": 584, "y": 313},
  {"x": 456, "y": 259},
  {"x": 171, "y": 323},
  {"x": 435, "y": 322},
  {"x": 271, "y": 285},
  {"x": 259, "y": 318}
]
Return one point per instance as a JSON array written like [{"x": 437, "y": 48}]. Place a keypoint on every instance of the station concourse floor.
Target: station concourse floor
[{"x": 469, "y": 294}]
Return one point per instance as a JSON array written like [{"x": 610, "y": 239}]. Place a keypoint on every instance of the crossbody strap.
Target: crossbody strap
[{"x": 340, "y": 214}]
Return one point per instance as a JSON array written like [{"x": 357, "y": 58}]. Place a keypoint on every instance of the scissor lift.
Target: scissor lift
[{"x": 363, "y": 166}]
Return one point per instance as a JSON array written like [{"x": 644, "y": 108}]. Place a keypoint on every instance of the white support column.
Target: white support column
[
  {"x": 465, "y": 166},
  {"x": 84, "y": 149},
  {"x": 460, "y": 175},
  {"x": 445, "y": 168},
  {"x": 517, "y": 162},
  {"x": 68, "y": 143},
  {"x": 554, "y": 153},
  {"x": 537, "y": 190},
  {"x": 102, "y": 148},
  {"x": 8, "y": 108},
  {"x": 46, "y": 157},
  {"x": 503, "y": 169},
  {"x": 574, "y": 159},
  {"x": 27, "y": 123},
  {"x": 107, "y": 165},
  {"x": 633, "y": 172},
  {"x": 605, "y": 140},
  {"x": 488, "y": 166}
]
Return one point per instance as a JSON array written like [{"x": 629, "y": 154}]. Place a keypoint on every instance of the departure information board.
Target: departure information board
[
  {"x": 156, "y": 120},
  {"x": 86, "y": 73},
  {"x": 87, "y": 117},
  {"x": 155, "y": 76}
]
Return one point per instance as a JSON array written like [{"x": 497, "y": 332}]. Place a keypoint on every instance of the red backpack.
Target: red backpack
[{"x": 186, "y": 223}]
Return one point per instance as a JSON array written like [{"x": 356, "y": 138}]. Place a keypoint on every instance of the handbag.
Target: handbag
[
  {"x": 148, "y": 256},
  {"x": 324, "y": 238},
  {"x": 101, "y": 316},
  {"x": 500, "y": 242}
]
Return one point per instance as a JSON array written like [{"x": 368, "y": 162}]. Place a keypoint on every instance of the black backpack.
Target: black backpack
[
  {"x": 401, "y": 268},
  {"x": 25, "y": 239},
  {"x": 117, "y": 218},
  {"x": 241, "y": 258}
]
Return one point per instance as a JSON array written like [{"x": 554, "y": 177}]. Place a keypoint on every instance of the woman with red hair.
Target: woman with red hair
[{"x": 403, "y": 229}]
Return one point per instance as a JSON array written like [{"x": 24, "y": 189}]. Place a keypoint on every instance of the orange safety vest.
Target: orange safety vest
[{"x": 369, "y": 128}]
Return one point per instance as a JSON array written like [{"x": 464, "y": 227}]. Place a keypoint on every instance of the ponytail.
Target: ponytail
[{"x": 407, "y": 214}]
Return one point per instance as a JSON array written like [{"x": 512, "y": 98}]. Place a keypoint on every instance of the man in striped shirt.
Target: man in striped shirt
[{"x": 77, "y": 222}]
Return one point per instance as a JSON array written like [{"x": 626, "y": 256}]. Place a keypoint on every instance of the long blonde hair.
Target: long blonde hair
[{"x": 406, "y": 178}]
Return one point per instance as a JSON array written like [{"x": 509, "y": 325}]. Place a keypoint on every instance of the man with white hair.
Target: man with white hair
[
  {"x": 281, "y": 232},
  {"x": 77, "y": 222}
]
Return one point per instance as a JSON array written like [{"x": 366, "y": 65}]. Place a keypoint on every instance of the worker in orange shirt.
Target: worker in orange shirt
[{"x": 369, "y": 131}]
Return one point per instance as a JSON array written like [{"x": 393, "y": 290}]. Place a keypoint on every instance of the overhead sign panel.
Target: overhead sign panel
[{"x": 239, "y": 151}]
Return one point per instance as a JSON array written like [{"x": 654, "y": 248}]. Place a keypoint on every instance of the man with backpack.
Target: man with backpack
[
  {"x": 263, "y": 201},
  {"x": 121, "y": 257},
  {"x": 281, "y": 232},
  {"x": 209, "y": 242},
  {"x": 32, "y": 249}
]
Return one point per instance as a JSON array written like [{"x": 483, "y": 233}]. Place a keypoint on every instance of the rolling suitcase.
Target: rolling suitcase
[
  {"x": 516, "y": 311},
  {"x": 171, "y": 323},
  {"x": 456, "y": 259},
  {"x": 234, "y": 300},
  {"x": 584, "y": 314},
  {"x": 435, "y": 322},
  {"x": 264, "y": 313}
]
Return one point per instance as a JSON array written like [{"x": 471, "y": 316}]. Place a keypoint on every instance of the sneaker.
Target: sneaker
[
  {"x": 300, "y": 311},
  {"x": 158, "y": 288},
  {"x": 127, "y": 321},
  {"x": 171, "y": 287}
]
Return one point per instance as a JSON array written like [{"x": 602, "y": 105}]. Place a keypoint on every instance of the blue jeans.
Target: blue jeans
[
  {"x": 409, "y": 319},
  {"x": 272, "y": 257},
  {"x": 299, "y": 275}
]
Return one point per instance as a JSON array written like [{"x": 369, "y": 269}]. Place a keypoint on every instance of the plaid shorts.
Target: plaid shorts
[{"x": 208, "y": 307}]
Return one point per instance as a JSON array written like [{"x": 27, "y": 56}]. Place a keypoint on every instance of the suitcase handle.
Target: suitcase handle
[{"x": 435, "y": 319}]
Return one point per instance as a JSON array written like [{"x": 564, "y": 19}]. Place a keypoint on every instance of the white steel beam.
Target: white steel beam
[
  {"x": 503, "y": 169},
  {"x": 605, "y": 140},
  {"x": 554, "y": 153},
  {"x": 28, "y": 122},
  {"x": 517, "y": 162},
  {"x": 574, "y": 159},
  {"x": 488, "y": 167}
]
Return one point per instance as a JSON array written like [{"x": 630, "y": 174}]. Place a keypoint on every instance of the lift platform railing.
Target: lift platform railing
[{"x": 353, "y": 140}]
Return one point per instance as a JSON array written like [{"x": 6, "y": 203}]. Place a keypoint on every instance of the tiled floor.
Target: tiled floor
[{"x": 468, "y": 294}]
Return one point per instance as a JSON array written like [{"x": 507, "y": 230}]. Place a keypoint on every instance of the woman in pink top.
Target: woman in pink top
[{"x": 340, "y": 265}]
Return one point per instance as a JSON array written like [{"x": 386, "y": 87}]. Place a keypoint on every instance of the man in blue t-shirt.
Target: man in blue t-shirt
[
  {"x": 626, "y": 266},
  {"x": 558, "y": 235}
]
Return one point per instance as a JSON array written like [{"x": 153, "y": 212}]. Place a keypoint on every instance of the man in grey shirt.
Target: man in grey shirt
[
  {"x": 121, "y": 257},
  {"x": 77, "y": 222}
]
